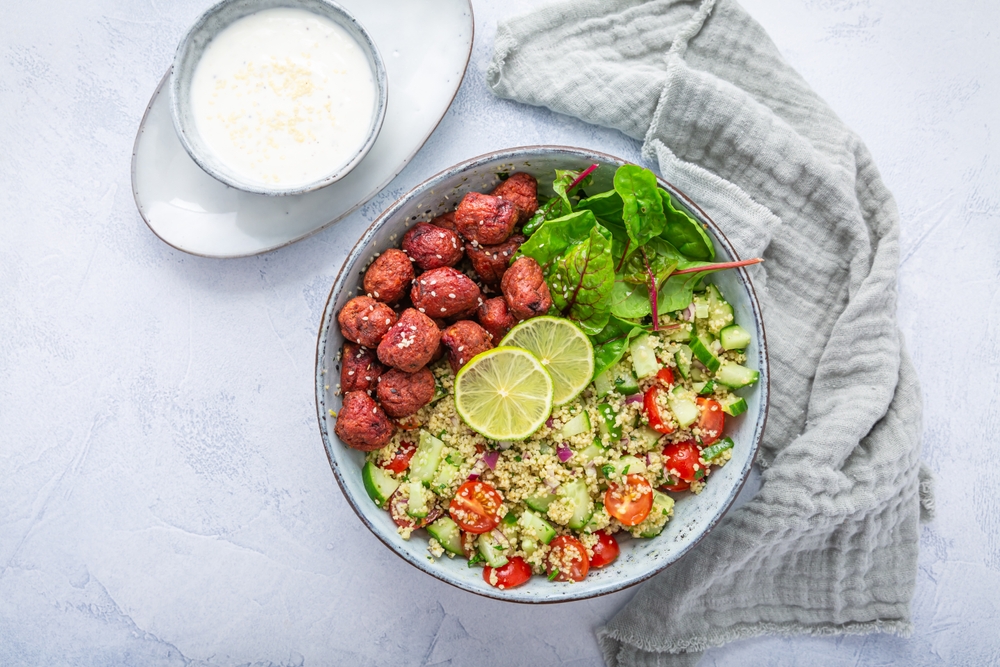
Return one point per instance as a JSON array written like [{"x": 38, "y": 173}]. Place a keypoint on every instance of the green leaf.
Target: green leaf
[
  {"x": 629, "y": 300},
  {"x": 612, "y": 342},
  {"x": 642, "y": 208},
  {"x": 663, "y": 259},
  {"x": 678, "y": 291},
  {"x": 556, "y": 236},
  {"x": 684, "y": 232},
  {"x": 607, "y": 206},
  {"x": 581, "y": 280},
  {"x": 565, "y": 178}
]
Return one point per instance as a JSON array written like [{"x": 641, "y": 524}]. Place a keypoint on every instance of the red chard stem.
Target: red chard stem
[
  {"x": 652, "y": 292},
  {"x": 719, "y": 267}
]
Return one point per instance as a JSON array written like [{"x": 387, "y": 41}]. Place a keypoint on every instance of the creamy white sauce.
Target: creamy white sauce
[{"x": 283, "y": 97}]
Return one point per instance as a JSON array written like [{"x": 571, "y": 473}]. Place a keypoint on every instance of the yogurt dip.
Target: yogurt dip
[{"x": 283, "y": 97}]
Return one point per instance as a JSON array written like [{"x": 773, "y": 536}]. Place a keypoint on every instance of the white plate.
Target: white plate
[{"x": 426, "y": 46}]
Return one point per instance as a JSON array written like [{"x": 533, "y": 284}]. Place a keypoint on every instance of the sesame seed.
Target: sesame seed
[
  {"x": 451, "y": 296},
  {"x": 420, "y": 309},
  {"x": 444, "y": 310}
]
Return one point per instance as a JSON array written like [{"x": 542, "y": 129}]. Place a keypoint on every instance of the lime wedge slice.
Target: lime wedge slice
[
  {"x": 563, "y": 349},
  {"x": 504, "y": 393}
]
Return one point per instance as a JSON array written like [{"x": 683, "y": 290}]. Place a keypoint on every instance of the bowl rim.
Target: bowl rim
[
  {"x": 349, "y": 266},
  {"x": 184, "y": 129}
]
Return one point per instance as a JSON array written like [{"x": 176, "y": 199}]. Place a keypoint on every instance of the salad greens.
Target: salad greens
[{"x": 614, "y": 261}]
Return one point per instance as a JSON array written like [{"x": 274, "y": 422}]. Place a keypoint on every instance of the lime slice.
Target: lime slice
[
  {"x": 504, "y": 393},
  {"x": 564, "y": 350}
]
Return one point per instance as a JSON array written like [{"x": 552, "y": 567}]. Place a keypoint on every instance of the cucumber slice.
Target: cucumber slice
[
  {"x": 701, "y": 309},
  {"x": 643, "y": 357},
  {"x": 698, "y": 373},
  {"x": 534, "y": 527},
  {"x": 701, "y": 346},
  {"x": 540, "y": 503},
  {"x": 604, "y": 383},
  {"x": 419, "y": 503},
  {"x": 592, "y": 451},
  {"x": 733, "y": 405},
  {"x": 734, "y": 337},
  {"x": 607, "y": 424},
  {"x": 654, "y": 524},
  {"x": 577, "y": 425},
  {"x": 446, "y": 531},
  {"x": 445, "y": 477},
  {"x": 720, "y": 446},
  {"x": 679, "y": 334},
  {"x": 626, "y": 383},
  {"x": 491, "y": 550},
  {"x": 684, "y": 407},
  {"x": 626, "y": 465},
  {"x": 426, "y": 459},
  {"x": 706, "y": 389},
  {"x": 529, "y": 546},
  {"x": 378, "y": 484},
  {"x": 736, "y": 376},
  {"x": 578, "y": 496},
  {"x": 649, "y": 437},
  {"x": 683, "y": 356},
  {"x": 593, "y": 525},
  {"x": 720, "y": 313}
]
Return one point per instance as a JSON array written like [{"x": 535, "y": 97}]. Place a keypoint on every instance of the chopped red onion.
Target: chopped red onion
[
  {"x": 500, "y": 538},
  {"x": 634, "y": 398},
  {"x": 477, "y": 470},
  {"x": 688, "y": 313},
  {"x": 549, "y": 422},
  {"x": 490, "y": 459},
  {"x": 564, "y": 453},
  {"x": 552, "y": 483}
]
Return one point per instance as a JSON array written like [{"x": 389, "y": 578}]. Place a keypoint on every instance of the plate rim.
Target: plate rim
[
  {"x": 159, "y": 89},
  {"x": 328, "y": 318}
]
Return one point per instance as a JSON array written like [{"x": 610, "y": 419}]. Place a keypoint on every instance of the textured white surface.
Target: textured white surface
[{"x": 165, "y": 495}]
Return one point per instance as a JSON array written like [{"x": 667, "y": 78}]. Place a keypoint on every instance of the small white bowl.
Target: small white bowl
[
  {"x": 694, "y": 515},
  {"x": 190, "y": 51}
]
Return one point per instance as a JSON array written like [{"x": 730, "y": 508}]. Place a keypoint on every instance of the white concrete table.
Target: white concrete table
[{"x": 164, "y": 494}]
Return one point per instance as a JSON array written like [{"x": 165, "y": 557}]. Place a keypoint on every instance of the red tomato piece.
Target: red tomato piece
[
  {"x": 666, "y": 376},
  {"x": 400, "y": 461},
  {"x": 605, "y": 551},
  {"x": 656, "y": 420},
  {"x": 397, "y": 510},
  {"x": 681, "y": 458},
  {"x": 567, "y": 559},
  {"x": 514, "y": 573},
  {"x": 712, "y": 420},
  {"x": 630, "y": 502},
  {"x": 474, "y": 507}
]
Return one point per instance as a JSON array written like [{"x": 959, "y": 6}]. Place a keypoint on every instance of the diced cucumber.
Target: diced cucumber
[
  {"x": 608, "y": 423},
  {"x": 445, "y": 477},
  {"x": 655, "y": 523},
  {"x": 720, "y": 313},
  {"x": 706, "y": 389},
  {"x": 426, "y": 459},
  {"x": 683, "y": 357},
  {"x": 592, "y": 451},
  {"x": 491, "y": 550},
  {"x": 604, "y": 383},
  {"x": 679, "y": 334},
  {"x": 683, "y": 406},
  {"x": 535, "y": 527},
  {"x": 419, "y": 503},
  {"x": 698, "y": 373},
  {"x": 736, "y": 376},
  {"x": 643, "y": 357},
  {"x": 578, "y": 496},
  {"x": 446, "y": 531},
  {"x": 701, "y": 308},
  {"x": 734, "y": 337},
  {"x": 626, "y": 465},
  {"x": 577, "y": 425},
  {"x": 720, "y": 446},
  {"x": 701, "y": 346},
  {"x": 649, "y": 437},
  {"x": 529, "y": 546},
  {"x": 378, "y": 484},
  {"x": 509, "y": 519},
  {"x": 626, "y": 383},
  {"x": 598, "y": 521},
  {"x": 540, "y": 503},
  {"x": 733, "y": 405}
]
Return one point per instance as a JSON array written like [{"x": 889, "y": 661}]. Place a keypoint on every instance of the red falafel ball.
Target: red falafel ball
[
  {"x": 362, "y": 424},
  {"x": 491, "y": 261},
  {"x": 494, "y": 316},
  {"x": 485, "y": 219},
  {"x": 365, "y": 320},
  {"x": 410, "y": 343},
  {"x": 444, "y": 292},
  {"x": 432, "y": 247},
  {"x": 402, "y": 394},
  {"x": 464, "y": 340},
  {"x": 524, "y": 288},
  {"x": 521, "y": 189},
  {"x": 359, "y": 368},
  {"x": 389, "y": 276}
]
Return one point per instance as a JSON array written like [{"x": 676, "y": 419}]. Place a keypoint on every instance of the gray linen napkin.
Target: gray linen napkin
[{"x": 829, "y": 543}]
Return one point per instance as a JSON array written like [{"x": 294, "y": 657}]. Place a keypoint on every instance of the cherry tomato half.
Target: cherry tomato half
[
  {"x": 400, "y": 461},
  {"x": 567, "y": 559},
  {"x": 681, "y": 458},
  {"x": 474, "y": 507},
  {"x": 514, "y": 573},
  {"x": 630, "y": 502},
  {"x": 681, "y": 485},
  {"x": 666, "y": 376},
  {"x": 605, "y": 551},
  {"x": 397, "y": 510},
  {"x": 712, "y": 421},
  {"x": 656, "y": 420}
]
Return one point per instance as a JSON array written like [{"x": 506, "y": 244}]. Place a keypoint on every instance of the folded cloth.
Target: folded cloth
[{"x": 829, "y": 543}]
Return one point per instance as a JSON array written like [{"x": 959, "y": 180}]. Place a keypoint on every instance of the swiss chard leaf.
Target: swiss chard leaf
[
  {"x": 549, "y": 210},
  {"x": 642, "y": 208},
  {"x": 556, "y": 236},
  {"x": 662, "y": 258},
  {"x": 581, "y": 280},
  {"x": 678, "y": 291},
  {"x": 684, "y": 232},
  {"x": 612, "y": 341},
  {"x": 630, "y": 300},
  {"x": 564, "y": 179},
  {"x": 607, "y": 206}
]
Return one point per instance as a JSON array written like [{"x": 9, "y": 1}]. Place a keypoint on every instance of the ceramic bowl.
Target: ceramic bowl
[
  {"x": 190, "y": 50},
  {"x": 694, "y": 516}
]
